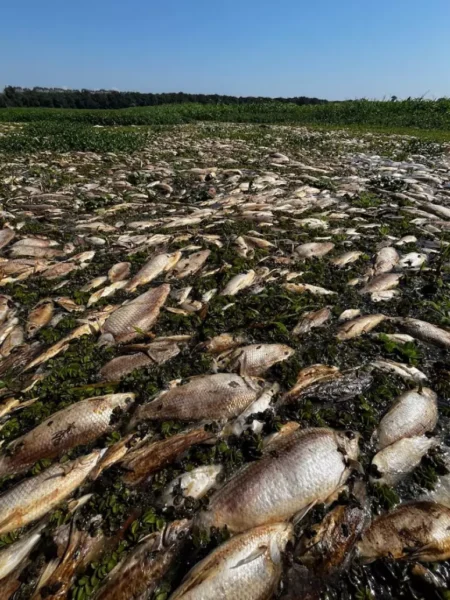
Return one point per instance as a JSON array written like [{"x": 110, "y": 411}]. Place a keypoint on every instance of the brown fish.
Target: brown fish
[{"x": 39, "y": 316}]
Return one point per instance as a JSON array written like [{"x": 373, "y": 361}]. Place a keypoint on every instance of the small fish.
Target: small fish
[
  {"x": 247, "y": 567},
  {"x": 394, "y": 462},
  {"x": 419, "y": 531},
  {"x": 356, "y": 327},
  {"x": 255, "y": 359},
  {"x": 107, "y": 291},
  {"x": 301, "y": 288},
  {"x": 6, "y": 236},
  {"x": 161, "y": 263},
  {"x": 424, "y": 331},
  {"x": 39, "y": 316},
  {"x": 413, "y": 260},
  {"x": 238, "y": 283},
  {"x": 306, "y": 378},
  {"x": 13, "y": 555},
  {"x": 381, "y": 283},
  {"x": 191, "y": 264},
  {"x": 33, "y": 498},
  {"x": 346, "y": 258},
  {"x": 221, "y": 343},
  {"x": 192, "y": 484},
  {"x": 385, "y": 260},
  {"x": 304, "y": 470},
  {"x": 119, "y": 272},
  {"x": 142, "y": 570},
  {"x": 350, "y": 313},
  {"x": 414, "y": 413},
  {"x": 94, "y": 283},
  {"x": 130, "y": 320},
  {"x": 314, "y": 249},
  {"x": 219, "y": 396},
  {"x": 400, "y": 369},
  {"x": 311, "y": 320},
  {"x": 384, "y": 296},
  {"x": 80, "y": 423},
  {"x": 147, "y": 458}
]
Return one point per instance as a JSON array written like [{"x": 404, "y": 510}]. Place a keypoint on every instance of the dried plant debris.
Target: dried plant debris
[{"x": 224, "y": 367}]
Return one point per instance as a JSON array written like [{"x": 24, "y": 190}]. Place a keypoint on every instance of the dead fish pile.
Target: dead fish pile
[{"x": 201, "y": 345}]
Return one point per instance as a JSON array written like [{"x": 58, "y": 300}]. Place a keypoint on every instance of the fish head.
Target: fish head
[{"x": 348, "y": 443}]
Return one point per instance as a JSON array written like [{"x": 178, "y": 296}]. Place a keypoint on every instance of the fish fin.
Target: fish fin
[
  {"x": 260, "y": 551},
  {"x": 303, "y": 512}
]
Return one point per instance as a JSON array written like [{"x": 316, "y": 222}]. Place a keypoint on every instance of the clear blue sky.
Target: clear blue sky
[{"x": 324, "y": 48}]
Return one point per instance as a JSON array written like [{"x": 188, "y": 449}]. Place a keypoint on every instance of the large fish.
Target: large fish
[
  {"x": 35, "y": 497},
  {"x": 207, "y": 397},
  {"x": 306, "y": 468},
  {"x": 80, "y": 423},
  {"x": 247, "y": 567},
  {"x": 130, "y": 320}
]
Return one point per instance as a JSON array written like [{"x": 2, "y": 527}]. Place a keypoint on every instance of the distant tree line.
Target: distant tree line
[{"x": 62, "y": 98}]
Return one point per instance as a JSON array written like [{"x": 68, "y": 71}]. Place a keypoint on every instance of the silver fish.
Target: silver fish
[
  {"x": 255, "y": 359},
  {"x": 311, "y": 320},
  {"x": 314, "y": 249},
  {"x": 191, "y": 264},
  {"x": 424, "y": 331},
  {"x": 358, "y": 326},
  {"x": 238, "y": 283},
  {"x": 162, "y": 263}
]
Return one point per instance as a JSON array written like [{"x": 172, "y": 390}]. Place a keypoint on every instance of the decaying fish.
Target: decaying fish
[
  {"x": 6, "y": 236},
  {"x": 260, "y": 405},
  {"x": 421, "y": 330},
  {"x": 385, "y": 260},
  {"x": 107, "y": 291},
  {"x": 311, "y": 320},
  {"x": 12, "y": 555},
  {"x": 314, "y": 249},
  {"x": 219, "y": 396},
  {"x": 413, "y": 414},
  {"x": 151, "y": 456},
  {"x": 119, "y": 272},
  {"x": 247, "y": 567},
  {"x": 39, "y": 316},
  {"x": 307, "y": 377},
  {"x": 416, "y": 531},
  {"x": 221, "y": 343},
  {"x": 238, "y": 283},
  {"x": 346, "y": 258},
  {"x": 191, "y": 264},
  {"x": 130, "y": 320},
  {"x": 35, "y": 497},
  {"x": 404, "y": 371},
  {"x": 356, "y": 327},
  {"x": 80, "y": 423},
  {"x": 139, "y": 574},
  {"x": 381, "y": 283},
  {"x": 255, "y": 359},
  {"x": 306, "y": 468},
  {"x": 192, "y": 484},
  {"x": 162, "y": 263},
  {"x": 344, "y": 386},
  {"x": 394, "y": 462},
  {"x": 301, "y": 288}
]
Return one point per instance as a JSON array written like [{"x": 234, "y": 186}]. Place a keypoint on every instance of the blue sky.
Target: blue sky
[{"x": 324, "y": 48}]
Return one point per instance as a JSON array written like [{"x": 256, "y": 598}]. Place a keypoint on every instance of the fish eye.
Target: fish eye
[{"x": 350, "y": 435}]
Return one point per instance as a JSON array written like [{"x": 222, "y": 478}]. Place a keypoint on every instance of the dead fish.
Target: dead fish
[
  {"x": 326, "y": 548},
  {"x": 192, "y": 484},
  {"x": 394, "y": 462},
  {"x": 414, "y": 413},
  {"x": 255, "y": 359},
  {"x": 400, "y": 369},
  {"x": 34, "y": 497},
  {"x": 385, "y": 260},
  {"x": 300, "y": 288},
  {"x": 314, "y": 249},
  {"x": 424, "y": 331},
  {"x": 39, "y": 316},
  {"x": 346, "y": 258},
  {"x": 381, "y": 283},
  {"x": 94, "y": 283},
  {"x": 275, "y": 440},
  {"x": 311, "y": 320},
  {"x": 59, "y": 270},
  {"x": 130, "y": 320},
  {"x": 247, "y": 567},
  {"x": 14, "y": 338},
  {"x": 191, "y": 264},
  {"x": 80, "y": 423},
  {"x": 69, "y": 304},
  {"x": 303, "y": 470},
  {"x": 398, "y": 338},
  {"x": 139, "y": 574},
  {"x": 12, "y": 555},
  {"x": 344, "y": 386},
  {"x": 147, "y": 458},
  {"x": 162, "y": 263},
  {"x": 221, "y": 343},
  {"x": 350, "y": 313},
  {"x": 416, "y": 531},
  {"x": 358, "y": 326},
  {"x": 384, "y": 296},
  {"x": 413, "y": 260},
  {"x": 238, "y": 283},
  {"x": 107, "y": 291},
  {"x": 4, "y": 308},
  {"x": 119, "y": 272},
  {"x": 307, "y": 377},
  {"x": 219, "y": 396},
  {"x": 6, "y": 236}
]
